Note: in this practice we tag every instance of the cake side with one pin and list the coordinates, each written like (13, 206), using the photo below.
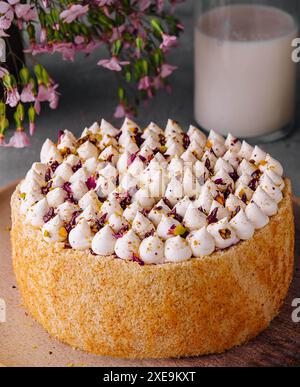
(117, 308)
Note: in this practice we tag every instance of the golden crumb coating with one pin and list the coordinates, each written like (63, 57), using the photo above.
(112, 307)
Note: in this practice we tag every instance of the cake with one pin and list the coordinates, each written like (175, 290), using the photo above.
(153, 243)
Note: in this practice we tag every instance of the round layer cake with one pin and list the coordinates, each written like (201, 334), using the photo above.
(153, 243)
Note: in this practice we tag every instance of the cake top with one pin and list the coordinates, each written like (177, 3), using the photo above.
(150, 196)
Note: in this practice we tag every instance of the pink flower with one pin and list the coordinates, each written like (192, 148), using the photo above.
(144, 83)
(112, 64)
(3, 72)
(27, 94)
(120, 111)
(47, 94)
(75, 11)
(31, 128)
(144, 4)
(43, 35)
(25, 12)
(168, 41)
(36, 49)
(12, 97)
(91, 46)
(66, 49)
(79, 39)
(37, 106)
(6, 20)
(167, 70)
(19, 140)
(4, 7)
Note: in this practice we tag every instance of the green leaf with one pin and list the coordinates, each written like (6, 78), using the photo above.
(31, 114)
(24, 75)
(157, 26)
(117, 47)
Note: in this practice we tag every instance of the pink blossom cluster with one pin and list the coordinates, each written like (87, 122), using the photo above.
(138, 35)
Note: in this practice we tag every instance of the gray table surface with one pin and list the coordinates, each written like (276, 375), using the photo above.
(87, 94)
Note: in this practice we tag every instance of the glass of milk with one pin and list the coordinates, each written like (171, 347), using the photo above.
(245, 78)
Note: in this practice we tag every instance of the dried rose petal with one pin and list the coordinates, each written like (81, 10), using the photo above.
(47, 188)
(50, 214)
(173, 214)
(54, 166)
(207, 164)
(137, 259)
(186, 141)
(253, 184)
(67, 187)
(131, 159)
(121, 232)
(145, 212)
(212, 217)
(77, 166)
(256, 174)
(72, 222)
(91, 183)
(219, 182)
(150, 233)
(48, 174)
(110, 157)
(244, 198)
(167, 202)
(234, 176)
(138, 139)
(162, 139)
(225, 233)
(59, 136)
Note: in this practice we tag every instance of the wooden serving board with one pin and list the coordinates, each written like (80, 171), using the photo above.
(23, 342)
